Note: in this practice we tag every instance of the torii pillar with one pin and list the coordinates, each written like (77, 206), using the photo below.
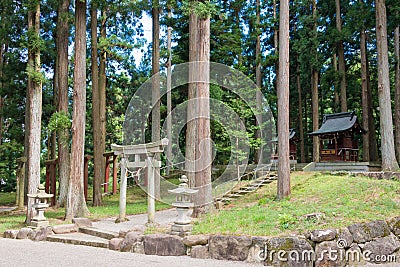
(148, 150)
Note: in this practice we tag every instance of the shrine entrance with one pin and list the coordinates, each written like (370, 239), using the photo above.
(139, 157)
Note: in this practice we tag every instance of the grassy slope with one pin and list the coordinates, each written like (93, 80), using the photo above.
(342, 199)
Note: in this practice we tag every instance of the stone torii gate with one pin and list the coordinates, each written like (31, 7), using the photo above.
(147, 151)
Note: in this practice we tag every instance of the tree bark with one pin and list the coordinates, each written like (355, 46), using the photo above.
(62, 73)
(258, 153)
(373, 144)
(364, 94)
(155, 113)
(191, 126)
(300, 103)
(76, 204)
(283, 102)
(34, 113)
(314, 94)
(389, 162)
(98, 157)
(203, 199)
(336, 84)
(169, 95)
(397, 91)
(342, 64)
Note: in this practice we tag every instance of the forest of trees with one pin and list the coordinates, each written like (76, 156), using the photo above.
(68, 71)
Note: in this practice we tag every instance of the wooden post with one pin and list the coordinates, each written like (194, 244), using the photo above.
(20, 182)
(53, 181)
(86, 176)
(122, 192)
(151, 208)
(115, 157)
(107, 174)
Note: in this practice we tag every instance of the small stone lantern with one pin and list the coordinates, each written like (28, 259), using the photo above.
(40, 206)
(183, 205)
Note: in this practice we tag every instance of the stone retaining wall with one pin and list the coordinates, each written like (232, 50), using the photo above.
(375, 242)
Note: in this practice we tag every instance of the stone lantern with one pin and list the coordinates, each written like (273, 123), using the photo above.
(183, 204)
(40, 206)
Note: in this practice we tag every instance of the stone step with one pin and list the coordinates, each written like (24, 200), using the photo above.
(93, 231)
(79, 239)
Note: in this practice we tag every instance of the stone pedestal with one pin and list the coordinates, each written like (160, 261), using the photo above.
(182, 225)
(40, 206)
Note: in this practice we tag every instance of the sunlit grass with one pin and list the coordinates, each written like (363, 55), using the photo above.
(342, 200)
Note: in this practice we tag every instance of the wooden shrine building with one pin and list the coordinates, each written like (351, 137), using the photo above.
(337, 137)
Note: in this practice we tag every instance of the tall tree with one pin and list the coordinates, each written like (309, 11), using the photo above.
(389, 162)
(397, 91)
(191, 127)
(283, 102)
(155, 113)
(259, 154)
(203, 199)
(342, 65)
(34, 104)
(314, 90)
(364, 93)
(76, 204)
(300, 103)
(62, 79)
(98, 157)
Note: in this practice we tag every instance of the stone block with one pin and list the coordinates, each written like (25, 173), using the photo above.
(82, 222)
(289, 251)
(323, 235)
(130, 240)
(328, 253)
(345, 237)
(354, 256)
(24, 233)
(200, 252)
(164, 245)
(234, 248)
(257, 249)
(195, 240)
(10, 234)
(394, 225)
(135, 228)
(65, 228)
(364, 232)
(115, 243)
(381, 249)
(40, 234)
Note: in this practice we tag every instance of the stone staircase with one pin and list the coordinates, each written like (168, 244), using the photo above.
(83, 235)
(255, 184)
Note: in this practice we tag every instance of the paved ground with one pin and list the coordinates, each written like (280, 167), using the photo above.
(26, 253)
(163, 218)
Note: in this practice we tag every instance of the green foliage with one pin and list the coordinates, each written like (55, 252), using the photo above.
(37, 77)
(286, 220)
(203, 9)
(59, 121)
(32, 41)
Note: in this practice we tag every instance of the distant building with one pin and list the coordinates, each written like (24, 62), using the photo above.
(337, 137)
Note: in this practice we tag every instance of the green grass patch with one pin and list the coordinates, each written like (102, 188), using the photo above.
(343, 200)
